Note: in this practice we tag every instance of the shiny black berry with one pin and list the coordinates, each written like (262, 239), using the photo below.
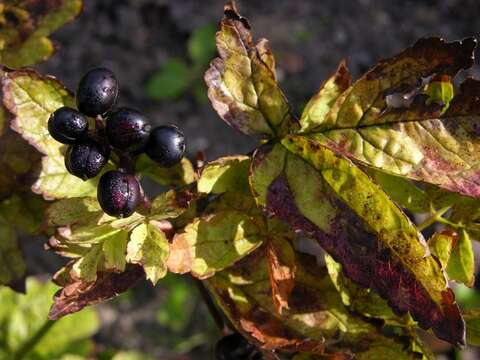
(128, 130)
(86, 160)
(118, 193)
(97, 92)
(67, 125)
(235, 347)
(166, 145)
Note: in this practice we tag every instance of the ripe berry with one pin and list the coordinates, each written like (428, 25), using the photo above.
(86, 160)
(67, 125)
(127, 129)
(118, 193)
(235, 347)
(97, 92)
(166, 145)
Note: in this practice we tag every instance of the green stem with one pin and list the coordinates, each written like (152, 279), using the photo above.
(28, 345)
(436, 217)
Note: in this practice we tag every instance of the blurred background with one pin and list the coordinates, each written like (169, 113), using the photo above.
(159, 50)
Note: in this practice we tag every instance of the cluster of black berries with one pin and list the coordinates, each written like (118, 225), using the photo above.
(125, 131)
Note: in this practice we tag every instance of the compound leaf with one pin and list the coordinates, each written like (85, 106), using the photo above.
(148, 247)
(326, 197)
(421, 139)
(241, 83)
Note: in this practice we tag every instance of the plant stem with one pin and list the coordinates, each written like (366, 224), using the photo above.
(30, 343)
(436, 217)
(217, 317)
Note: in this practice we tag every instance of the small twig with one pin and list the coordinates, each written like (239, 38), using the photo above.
(217, 317)
(30, 343)
(436, 217)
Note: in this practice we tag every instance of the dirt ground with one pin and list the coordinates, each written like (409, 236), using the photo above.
(309, 37)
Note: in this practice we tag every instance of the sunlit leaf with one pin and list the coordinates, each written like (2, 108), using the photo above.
(170, 204)
(241, 82)
(148, 247)
(440, 90)
(461, 264)
(225, 174)
(114, 249)
(31, 99)
(26, 25)
(329, 199)
(214, 242)
(417, 140)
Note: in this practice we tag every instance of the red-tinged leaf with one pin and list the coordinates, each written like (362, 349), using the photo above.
(79, 294)
(281, 268)
(329, 199)
(419, 138)
(241, 82)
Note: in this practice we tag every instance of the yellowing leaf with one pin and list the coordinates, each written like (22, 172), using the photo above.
(148, 247)
(114, 251)
(24, 27)
(325, 197)
(212, 243)
(31, 99)
(170, 204)
(241, 82)
(80, 210)
(85, 268)
(180, 174)
(461, 264)
(225, 174)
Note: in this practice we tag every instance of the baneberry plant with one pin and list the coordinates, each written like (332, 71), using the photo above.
(304, 245)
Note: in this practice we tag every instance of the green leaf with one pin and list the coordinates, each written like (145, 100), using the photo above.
(178, 175)
(225, 174)
(148, 246)
(31, 99)
(441, 245)
(114, 250)
(242, 84)
(25, 26)
(416, 140)
(461, 264)
(472, 319)
(131, 355)
(170, 82)
(201, 44)
(319, 105)
(12, 265)
(214, 242)
(325, 197)
(22, 316)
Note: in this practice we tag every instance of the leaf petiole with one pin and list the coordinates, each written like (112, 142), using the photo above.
(436, 217)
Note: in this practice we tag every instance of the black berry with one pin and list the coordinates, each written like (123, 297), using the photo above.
(97, 92)
(118, 193)
(86, 160)
(67, 125)
(235, 347)
(128, 130)
(166, 145)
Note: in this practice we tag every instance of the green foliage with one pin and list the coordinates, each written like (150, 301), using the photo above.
(176, 77)
(23, 317)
